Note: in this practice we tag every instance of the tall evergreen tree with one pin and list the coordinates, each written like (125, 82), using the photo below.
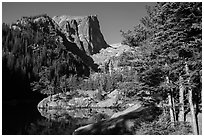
(175, 44)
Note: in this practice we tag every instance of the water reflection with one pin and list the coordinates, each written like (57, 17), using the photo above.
(66, 121)
(49, 127)
(63, 115)
(27, 120)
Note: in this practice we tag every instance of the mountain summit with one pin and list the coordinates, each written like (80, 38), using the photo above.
(84, 31)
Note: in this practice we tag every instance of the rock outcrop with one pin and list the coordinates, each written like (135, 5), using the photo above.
(111, 101)
(84, 31)
(114, 50)
(109, 57)
(62, 101)
(86, 99)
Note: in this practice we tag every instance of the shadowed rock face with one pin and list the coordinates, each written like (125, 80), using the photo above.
(84, 31)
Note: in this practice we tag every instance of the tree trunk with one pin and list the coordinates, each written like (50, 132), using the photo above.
(193, 118)
(171, 104)
(190, 100)
(171, 110)
(181, 100)
(173, 107)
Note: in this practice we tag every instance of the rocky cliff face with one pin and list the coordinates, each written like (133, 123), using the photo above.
(84, 31)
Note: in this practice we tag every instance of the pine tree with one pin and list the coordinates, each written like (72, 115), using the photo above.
(178, 40)
(174, 41)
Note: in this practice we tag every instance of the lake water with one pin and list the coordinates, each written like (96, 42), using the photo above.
(26, 119)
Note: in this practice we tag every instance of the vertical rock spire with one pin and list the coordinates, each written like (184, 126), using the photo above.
(84, 31)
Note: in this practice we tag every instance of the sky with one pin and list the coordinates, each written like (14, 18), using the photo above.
(112, 16)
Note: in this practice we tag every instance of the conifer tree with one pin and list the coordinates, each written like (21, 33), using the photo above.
(174, 45)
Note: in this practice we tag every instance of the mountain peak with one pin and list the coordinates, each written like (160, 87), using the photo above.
(84, 31)
(69, 17)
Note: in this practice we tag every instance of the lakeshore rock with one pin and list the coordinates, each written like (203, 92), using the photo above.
(54, 101)
(86, 99)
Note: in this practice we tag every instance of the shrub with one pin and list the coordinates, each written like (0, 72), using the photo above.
(162, 126)
(101, 81)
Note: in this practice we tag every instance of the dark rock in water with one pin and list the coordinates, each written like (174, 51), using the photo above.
(122, 124)
(84, 31)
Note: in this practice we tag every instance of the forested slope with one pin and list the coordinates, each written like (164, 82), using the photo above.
(36, 54)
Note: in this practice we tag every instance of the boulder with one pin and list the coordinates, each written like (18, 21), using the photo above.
(114, 94)
(111, 101)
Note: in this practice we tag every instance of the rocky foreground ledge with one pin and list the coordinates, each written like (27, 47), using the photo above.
(85, 99)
